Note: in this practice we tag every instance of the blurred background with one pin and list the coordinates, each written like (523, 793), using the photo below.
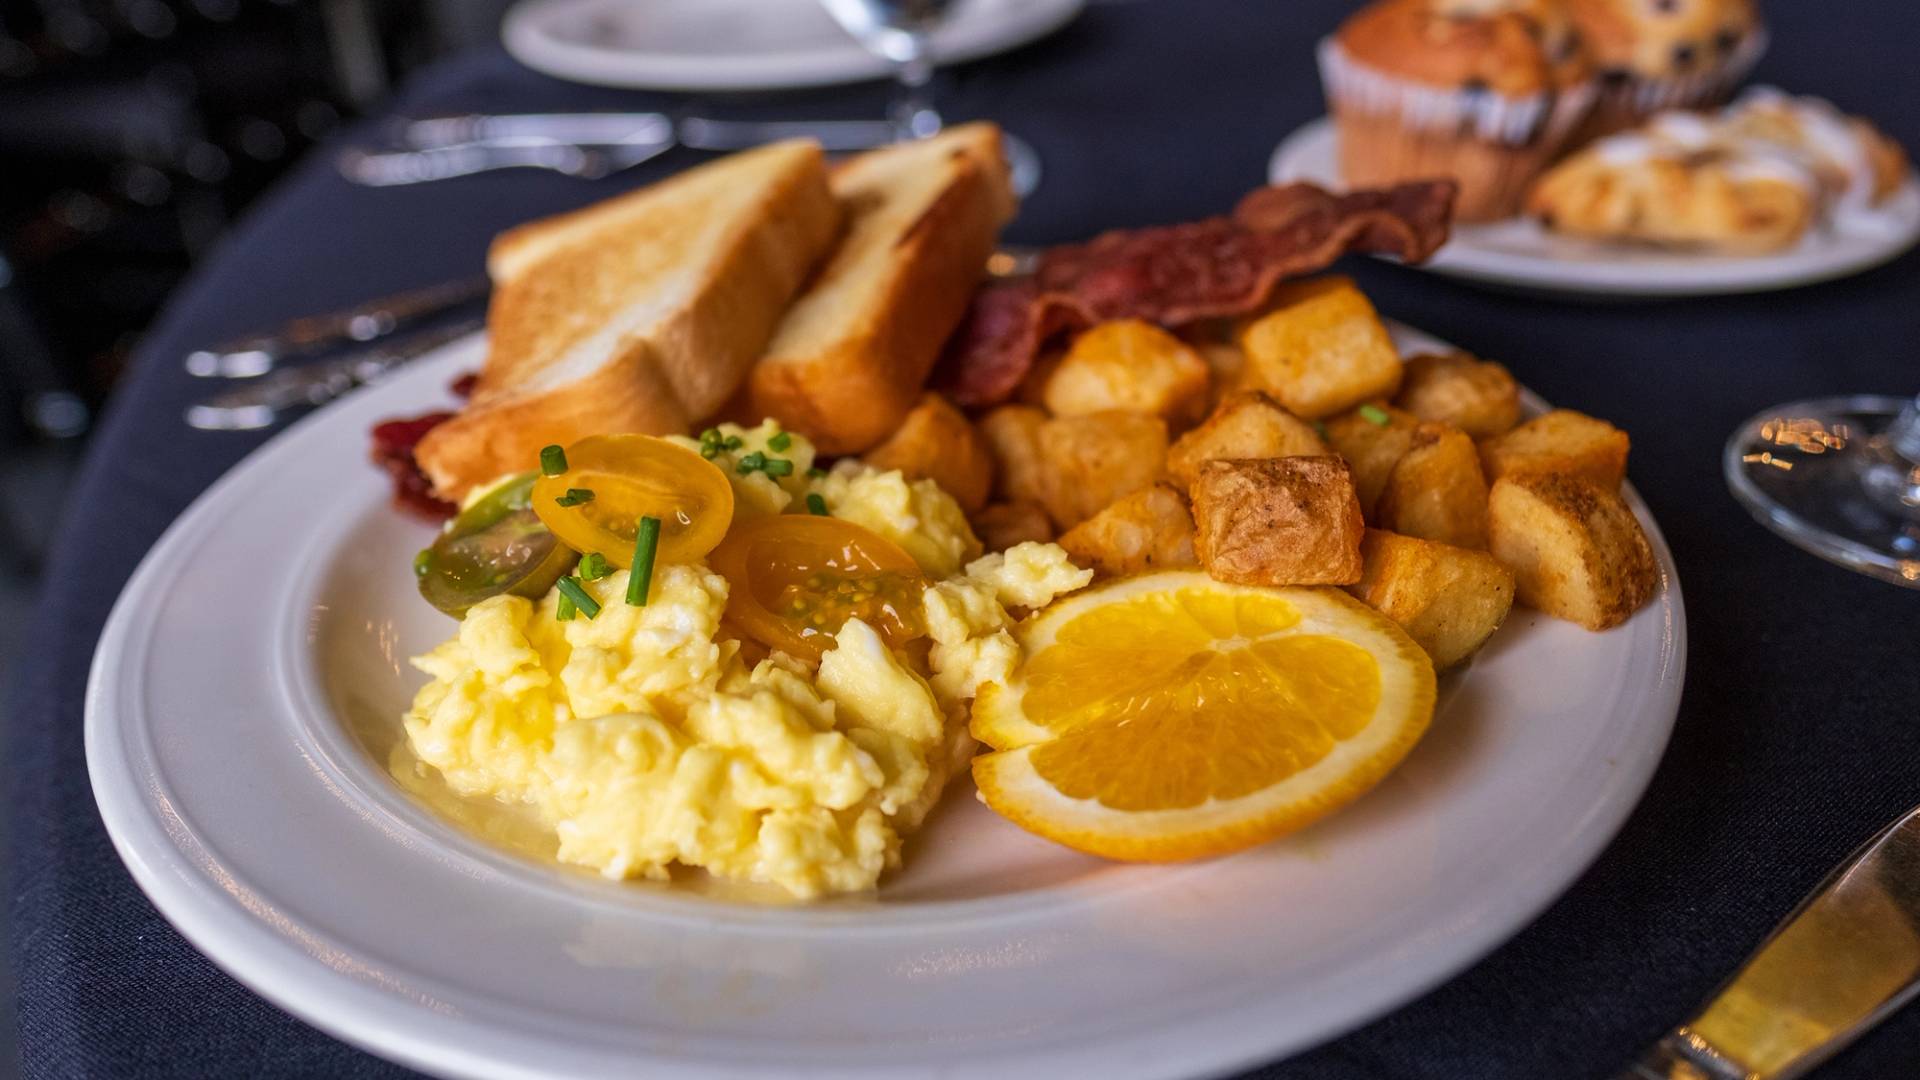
(132, 134)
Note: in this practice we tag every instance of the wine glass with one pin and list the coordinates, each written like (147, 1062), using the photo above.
(1839, 477)
(900, 32)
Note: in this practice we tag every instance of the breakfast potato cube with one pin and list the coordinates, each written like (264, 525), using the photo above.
(1449, 600)
(1091, 461)
(1477, 396)
(935, 442)
(1248, 424)
(1012, 435)
(1373, 438)
(1436, 491)
(1562, 441)
(1278, 521)
(1320, 348)
(1132, 365)
(1575, 549)
(1151, 529)
(1004, 525)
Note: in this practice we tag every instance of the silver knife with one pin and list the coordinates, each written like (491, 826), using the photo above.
(257, 354)
(1845, 959)
(605, 129)
(260, 403)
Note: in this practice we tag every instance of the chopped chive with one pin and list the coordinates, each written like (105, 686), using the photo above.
(594, 566)
(574, 497)
(422, 562)
(709, 450)
(553, 460)
(817, 473)
(564, 611)
(645, 545)
(731, 442)
(750, 463)
(711, 435)
(780, 441)
(1374, 414)
(816, 505)
(571, 589)
(777, 467)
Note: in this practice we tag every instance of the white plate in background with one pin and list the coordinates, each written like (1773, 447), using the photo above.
(247, 691)
(743, 44)
(1520, 254)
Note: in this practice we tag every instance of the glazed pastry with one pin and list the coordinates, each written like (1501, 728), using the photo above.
(1484, 91)
(1656, 55)
(1752, 178)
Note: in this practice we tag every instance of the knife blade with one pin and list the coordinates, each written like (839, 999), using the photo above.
(1846, 958)
(264, 401)
(257, 354)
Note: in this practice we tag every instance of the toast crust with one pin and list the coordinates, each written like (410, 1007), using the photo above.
(851, 358)
(642, 314)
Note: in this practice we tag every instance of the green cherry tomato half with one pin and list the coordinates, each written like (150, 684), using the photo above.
(496, 546)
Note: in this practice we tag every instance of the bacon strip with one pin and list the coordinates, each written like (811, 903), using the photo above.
(1178, 274)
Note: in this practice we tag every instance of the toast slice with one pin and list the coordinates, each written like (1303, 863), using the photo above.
(854, 351)
(643, 313)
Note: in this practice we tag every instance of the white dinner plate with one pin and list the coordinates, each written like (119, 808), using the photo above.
(743, 44)
(1521, 254)
(246, 695)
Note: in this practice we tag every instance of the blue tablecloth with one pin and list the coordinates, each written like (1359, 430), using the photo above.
(1797, 737)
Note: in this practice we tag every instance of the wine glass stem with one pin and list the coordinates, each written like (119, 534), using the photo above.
(913, 111)
(1903, 436)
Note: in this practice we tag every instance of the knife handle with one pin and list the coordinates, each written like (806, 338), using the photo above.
(1844, 960)
(256, 355)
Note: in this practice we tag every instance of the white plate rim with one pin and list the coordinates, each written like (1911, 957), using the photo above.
(965, 38)
(230, 927)
(1647, 275)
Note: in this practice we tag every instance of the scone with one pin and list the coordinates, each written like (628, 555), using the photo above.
(1484, 91)
(1666, 186)
(1751, 178)
(1655, 55)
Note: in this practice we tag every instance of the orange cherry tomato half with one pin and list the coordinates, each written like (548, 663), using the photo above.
(631, 477)
(795, 579)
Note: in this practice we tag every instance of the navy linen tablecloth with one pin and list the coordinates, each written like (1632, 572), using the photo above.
(1799, 733)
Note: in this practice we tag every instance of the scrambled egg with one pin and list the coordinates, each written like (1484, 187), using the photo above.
(645, 739)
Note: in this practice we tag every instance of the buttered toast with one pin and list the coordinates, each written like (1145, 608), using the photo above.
(851, 356)
(643, 313)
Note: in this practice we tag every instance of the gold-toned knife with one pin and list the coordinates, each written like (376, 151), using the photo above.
(1847, 957)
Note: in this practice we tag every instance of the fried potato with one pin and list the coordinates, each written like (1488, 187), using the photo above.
(1449, 600)
(1132, 365)
(1248, 424)
(1477, 396)
(1091, 461)
(1012, 435)
(1320, 348)
(1562, 441)
(1278, 521)
(935, 442)
(1575, 549)
(1006, 524)
(1373, 439)
(1436, 490)
(1151, 529)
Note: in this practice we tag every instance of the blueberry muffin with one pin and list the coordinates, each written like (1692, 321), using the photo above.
(1655, 55)
(1484, 91)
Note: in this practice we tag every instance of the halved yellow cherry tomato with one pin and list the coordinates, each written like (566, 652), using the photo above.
(797, 578)
(631, 477)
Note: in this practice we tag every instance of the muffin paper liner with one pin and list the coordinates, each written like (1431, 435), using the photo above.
(1511, 121)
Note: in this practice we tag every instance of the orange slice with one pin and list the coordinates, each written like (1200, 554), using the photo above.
(1172, 716)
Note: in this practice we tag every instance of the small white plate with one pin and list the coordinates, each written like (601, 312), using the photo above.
(246, 695)
(743, 44)
(1521, 254)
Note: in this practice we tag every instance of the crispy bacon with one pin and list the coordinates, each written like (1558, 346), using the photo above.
(1178, 274)
(393, 445)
